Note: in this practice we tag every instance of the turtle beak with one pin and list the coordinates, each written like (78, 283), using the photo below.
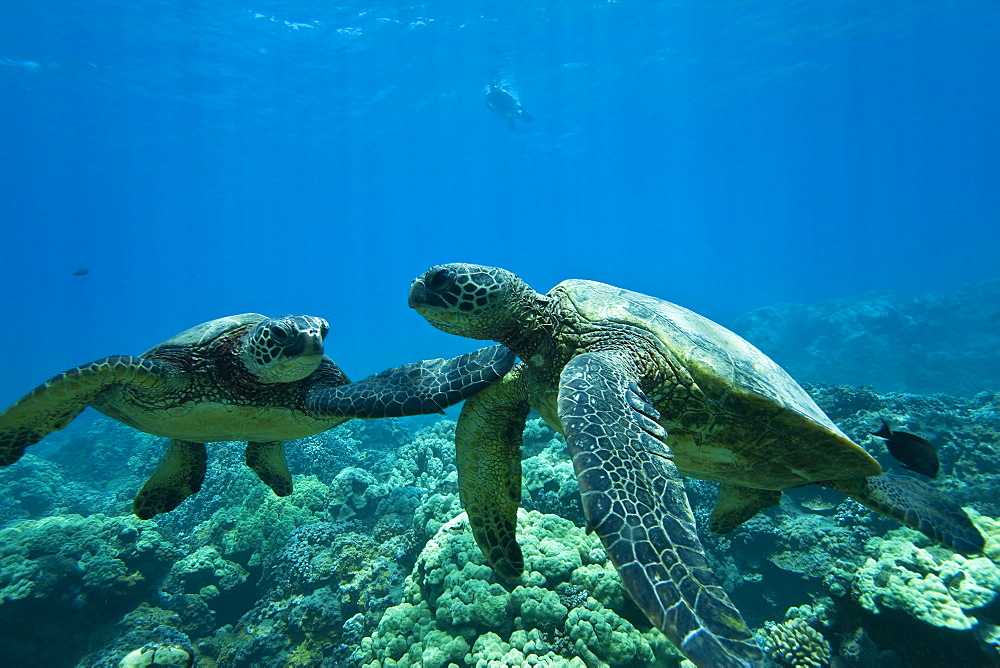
(418, 293)
(308, 343)
(422, 296)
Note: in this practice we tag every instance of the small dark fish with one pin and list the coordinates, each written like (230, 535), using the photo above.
(913, 452)
(82, 271)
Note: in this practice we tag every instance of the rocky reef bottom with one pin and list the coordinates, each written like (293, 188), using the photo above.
(370, 561)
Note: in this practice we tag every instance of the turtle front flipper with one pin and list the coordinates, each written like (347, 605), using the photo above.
(418, 388)
(179, 474)
(53, 405)
(267, 460)
(633, 497)
(917, 505)
(488, 455)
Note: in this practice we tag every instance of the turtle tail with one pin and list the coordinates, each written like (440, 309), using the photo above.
(917, 505)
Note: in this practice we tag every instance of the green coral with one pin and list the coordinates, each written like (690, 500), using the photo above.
(257, 528)
(813, 544)
(932, 584)
(106, 553)
(568, 608)
(203, 568)
(795, 644)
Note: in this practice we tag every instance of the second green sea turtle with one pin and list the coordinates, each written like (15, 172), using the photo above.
(647, 392)
(239, 378)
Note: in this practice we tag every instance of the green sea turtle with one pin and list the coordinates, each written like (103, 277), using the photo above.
(645, 392)
(240, 378)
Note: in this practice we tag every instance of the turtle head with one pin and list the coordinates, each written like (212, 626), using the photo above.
(285, 349)
(469, 299)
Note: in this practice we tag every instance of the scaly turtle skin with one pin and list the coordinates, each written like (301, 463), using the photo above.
(240, 378)
(645, 392)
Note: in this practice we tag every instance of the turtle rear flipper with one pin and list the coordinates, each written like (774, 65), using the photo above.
(267, 460)
(413, 389)
(633, 496)
(53, 405)
(917, 505)
(488, 441)
(736, 504)
(179, 474)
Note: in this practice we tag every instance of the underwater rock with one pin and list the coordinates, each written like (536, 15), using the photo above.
(256, 525)
(158, 655)
(33, 491)
(963, 430)
(204, 568)
(568, 608)
(338, 555)
(145, 626)
(549, 483)
(426, 460)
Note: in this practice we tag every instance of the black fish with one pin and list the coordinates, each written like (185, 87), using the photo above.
(82, 271)
(913, 452)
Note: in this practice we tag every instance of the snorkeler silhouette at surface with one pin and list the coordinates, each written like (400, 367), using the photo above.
(506, 105)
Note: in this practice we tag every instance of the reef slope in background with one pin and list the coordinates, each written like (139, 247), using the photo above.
(941, 342)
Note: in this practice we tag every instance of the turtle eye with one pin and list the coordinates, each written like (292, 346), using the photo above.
(278, 334)
(440, 279)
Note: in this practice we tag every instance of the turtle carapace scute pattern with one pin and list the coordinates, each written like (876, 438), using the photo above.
(647, 392)
(240, 378)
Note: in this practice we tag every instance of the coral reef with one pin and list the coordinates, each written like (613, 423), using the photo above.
(933, 585)
(795, 644)
(568, 608)
(369, 562)
(81, 572)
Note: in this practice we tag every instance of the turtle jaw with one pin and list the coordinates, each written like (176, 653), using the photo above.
(293, 369)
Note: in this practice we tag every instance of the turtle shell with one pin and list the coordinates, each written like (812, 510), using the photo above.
(738, 417)
(202, 334)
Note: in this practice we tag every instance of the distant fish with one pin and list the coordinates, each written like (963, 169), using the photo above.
(913, 452)
(82, 271)
(506, 105)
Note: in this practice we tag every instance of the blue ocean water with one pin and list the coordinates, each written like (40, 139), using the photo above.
(202, 159)
(163, 164)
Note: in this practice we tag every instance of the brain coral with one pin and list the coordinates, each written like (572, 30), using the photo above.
(567, 609)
